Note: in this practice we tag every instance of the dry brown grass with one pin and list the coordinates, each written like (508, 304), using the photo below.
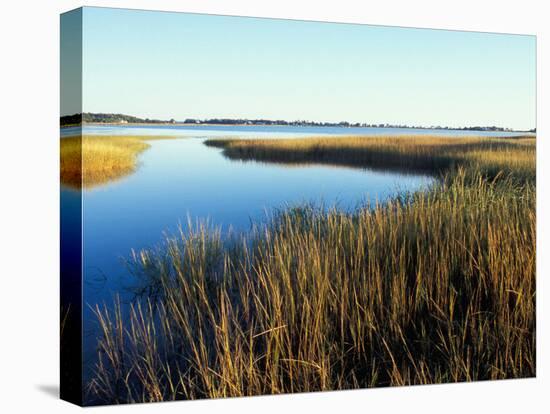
(433, 287)
(89, 161)
(406, 154)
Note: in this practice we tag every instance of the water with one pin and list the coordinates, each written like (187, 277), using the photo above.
(179, 179)
(274, 131)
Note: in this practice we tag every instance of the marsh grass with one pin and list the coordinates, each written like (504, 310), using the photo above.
(89, 161)
(432, 287)
(405, 154)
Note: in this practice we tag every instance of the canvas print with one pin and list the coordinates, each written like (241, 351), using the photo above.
(257, 206)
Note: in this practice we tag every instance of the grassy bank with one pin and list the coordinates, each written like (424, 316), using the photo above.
(406, 154)
(89, 161)
(434, 287)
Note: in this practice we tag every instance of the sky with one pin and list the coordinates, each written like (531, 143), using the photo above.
(174, 65)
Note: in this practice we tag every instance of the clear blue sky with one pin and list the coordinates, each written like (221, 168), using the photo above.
(174, 65)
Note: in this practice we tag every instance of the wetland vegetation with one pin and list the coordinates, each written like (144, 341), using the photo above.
(405, 154)
(88, 161)
(430, 287)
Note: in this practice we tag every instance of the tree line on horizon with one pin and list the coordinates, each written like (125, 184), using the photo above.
(110, 118)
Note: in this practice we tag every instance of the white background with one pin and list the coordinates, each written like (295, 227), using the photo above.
(29, 265)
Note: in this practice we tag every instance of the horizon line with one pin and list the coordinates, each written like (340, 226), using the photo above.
(363, 124)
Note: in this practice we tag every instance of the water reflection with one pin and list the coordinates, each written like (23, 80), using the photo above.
(180, 178)
(91, 161)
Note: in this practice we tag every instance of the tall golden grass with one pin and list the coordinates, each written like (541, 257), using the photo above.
(406, 154)
(89, 161)
(432, 287)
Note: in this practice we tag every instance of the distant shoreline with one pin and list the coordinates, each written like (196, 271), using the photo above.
(112, 119)
(283, 125)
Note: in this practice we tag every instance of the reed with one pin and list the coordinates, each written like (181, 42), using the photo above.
(405, 154)
(432, 287)
(89, 161)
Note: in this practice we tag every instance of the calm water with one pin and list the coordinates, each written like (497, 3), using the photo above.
(182, 178)
(267, 131)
